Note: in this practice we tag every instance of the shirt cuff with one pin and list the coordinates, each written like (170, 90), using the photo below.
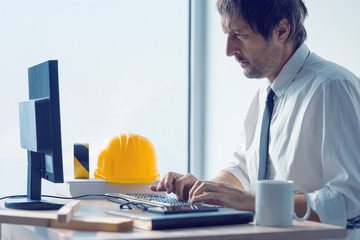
(239, 174)
(329, 205)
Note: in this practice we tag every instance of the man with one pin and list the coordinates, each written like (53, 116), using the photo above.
(315, 118)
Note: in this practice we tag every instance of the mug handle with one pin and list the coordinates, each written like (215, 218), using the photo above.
(306, 216)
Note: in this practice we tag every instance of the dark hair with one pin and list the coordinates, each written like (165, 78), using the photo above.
(263, 15)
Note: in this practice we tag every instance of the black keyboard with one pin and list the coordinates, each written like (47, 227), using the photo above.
(149, 199)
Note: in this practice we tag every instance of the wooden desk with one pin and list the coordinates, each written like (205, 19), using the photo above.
(300, 230)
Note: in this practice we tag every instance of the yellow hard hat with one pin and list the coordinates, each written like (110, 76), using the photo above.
(127, 158)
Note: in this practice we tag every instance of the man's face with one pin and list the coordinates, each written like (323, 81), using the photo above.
(259, 58)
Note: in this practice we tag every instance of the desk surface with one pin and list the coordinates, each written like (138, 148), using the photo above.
(300, 230)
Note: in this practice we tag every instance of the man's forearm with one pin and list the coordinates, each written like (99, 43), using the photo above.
(300, 199)
(227, 177)
(300, 208)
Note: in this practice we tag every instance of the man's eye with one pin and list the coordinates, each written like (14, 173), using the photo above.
(240, 36)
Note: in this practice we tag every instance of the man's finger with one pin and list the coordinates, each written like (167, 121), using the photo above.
(153, 187)
(194, 188)
(182, 183)
(206, 197)
(169, 183)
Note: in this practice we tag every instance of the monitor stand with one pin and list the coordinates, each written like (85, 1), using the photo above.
(33, 200)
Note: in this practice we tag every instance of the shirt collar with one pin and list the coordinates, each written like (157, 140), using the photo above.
(290, 70)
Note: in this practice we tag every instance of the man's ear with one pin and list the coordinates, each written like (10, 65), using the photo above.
(282, 30)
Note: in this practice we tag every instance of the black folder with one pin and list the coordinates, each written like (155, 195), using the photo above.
(156, 221)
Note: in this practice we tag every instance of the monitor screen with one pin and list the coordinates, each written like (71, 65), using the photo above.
(40, 135)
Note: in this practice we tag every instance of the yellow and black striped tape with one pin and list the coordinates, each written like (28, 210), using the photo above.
(81, 160)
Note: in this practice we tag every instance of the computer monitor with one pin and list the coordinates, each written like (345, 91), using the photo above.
(40, 134)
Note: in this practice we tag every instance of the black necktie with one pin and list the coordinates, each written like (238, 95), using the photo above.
(264, 137)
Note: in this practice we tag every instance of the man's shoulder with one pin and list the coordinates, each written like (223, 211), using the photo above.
(324, 70)
(318, 74)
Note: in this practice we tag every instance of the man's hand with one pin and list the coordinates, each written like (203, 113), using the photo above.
(179, 184)
(223, 193)
(225, 190)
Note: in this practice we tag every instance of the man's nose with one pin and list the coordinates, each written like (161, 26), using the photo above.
(231, 49)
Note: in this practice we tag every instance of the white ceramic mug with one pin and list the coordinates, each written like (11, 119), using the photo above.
(274, 203)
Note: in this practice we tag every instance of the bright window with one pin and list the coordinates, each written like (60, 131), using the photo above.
(123, 66)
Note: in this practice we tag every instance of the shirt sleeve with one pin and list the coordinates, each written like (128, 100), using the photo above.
(238, 168)
(329, 205)
(338, 124)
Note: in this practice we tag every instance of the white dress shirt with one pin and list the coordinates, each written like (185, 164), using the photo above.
(314, 136)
